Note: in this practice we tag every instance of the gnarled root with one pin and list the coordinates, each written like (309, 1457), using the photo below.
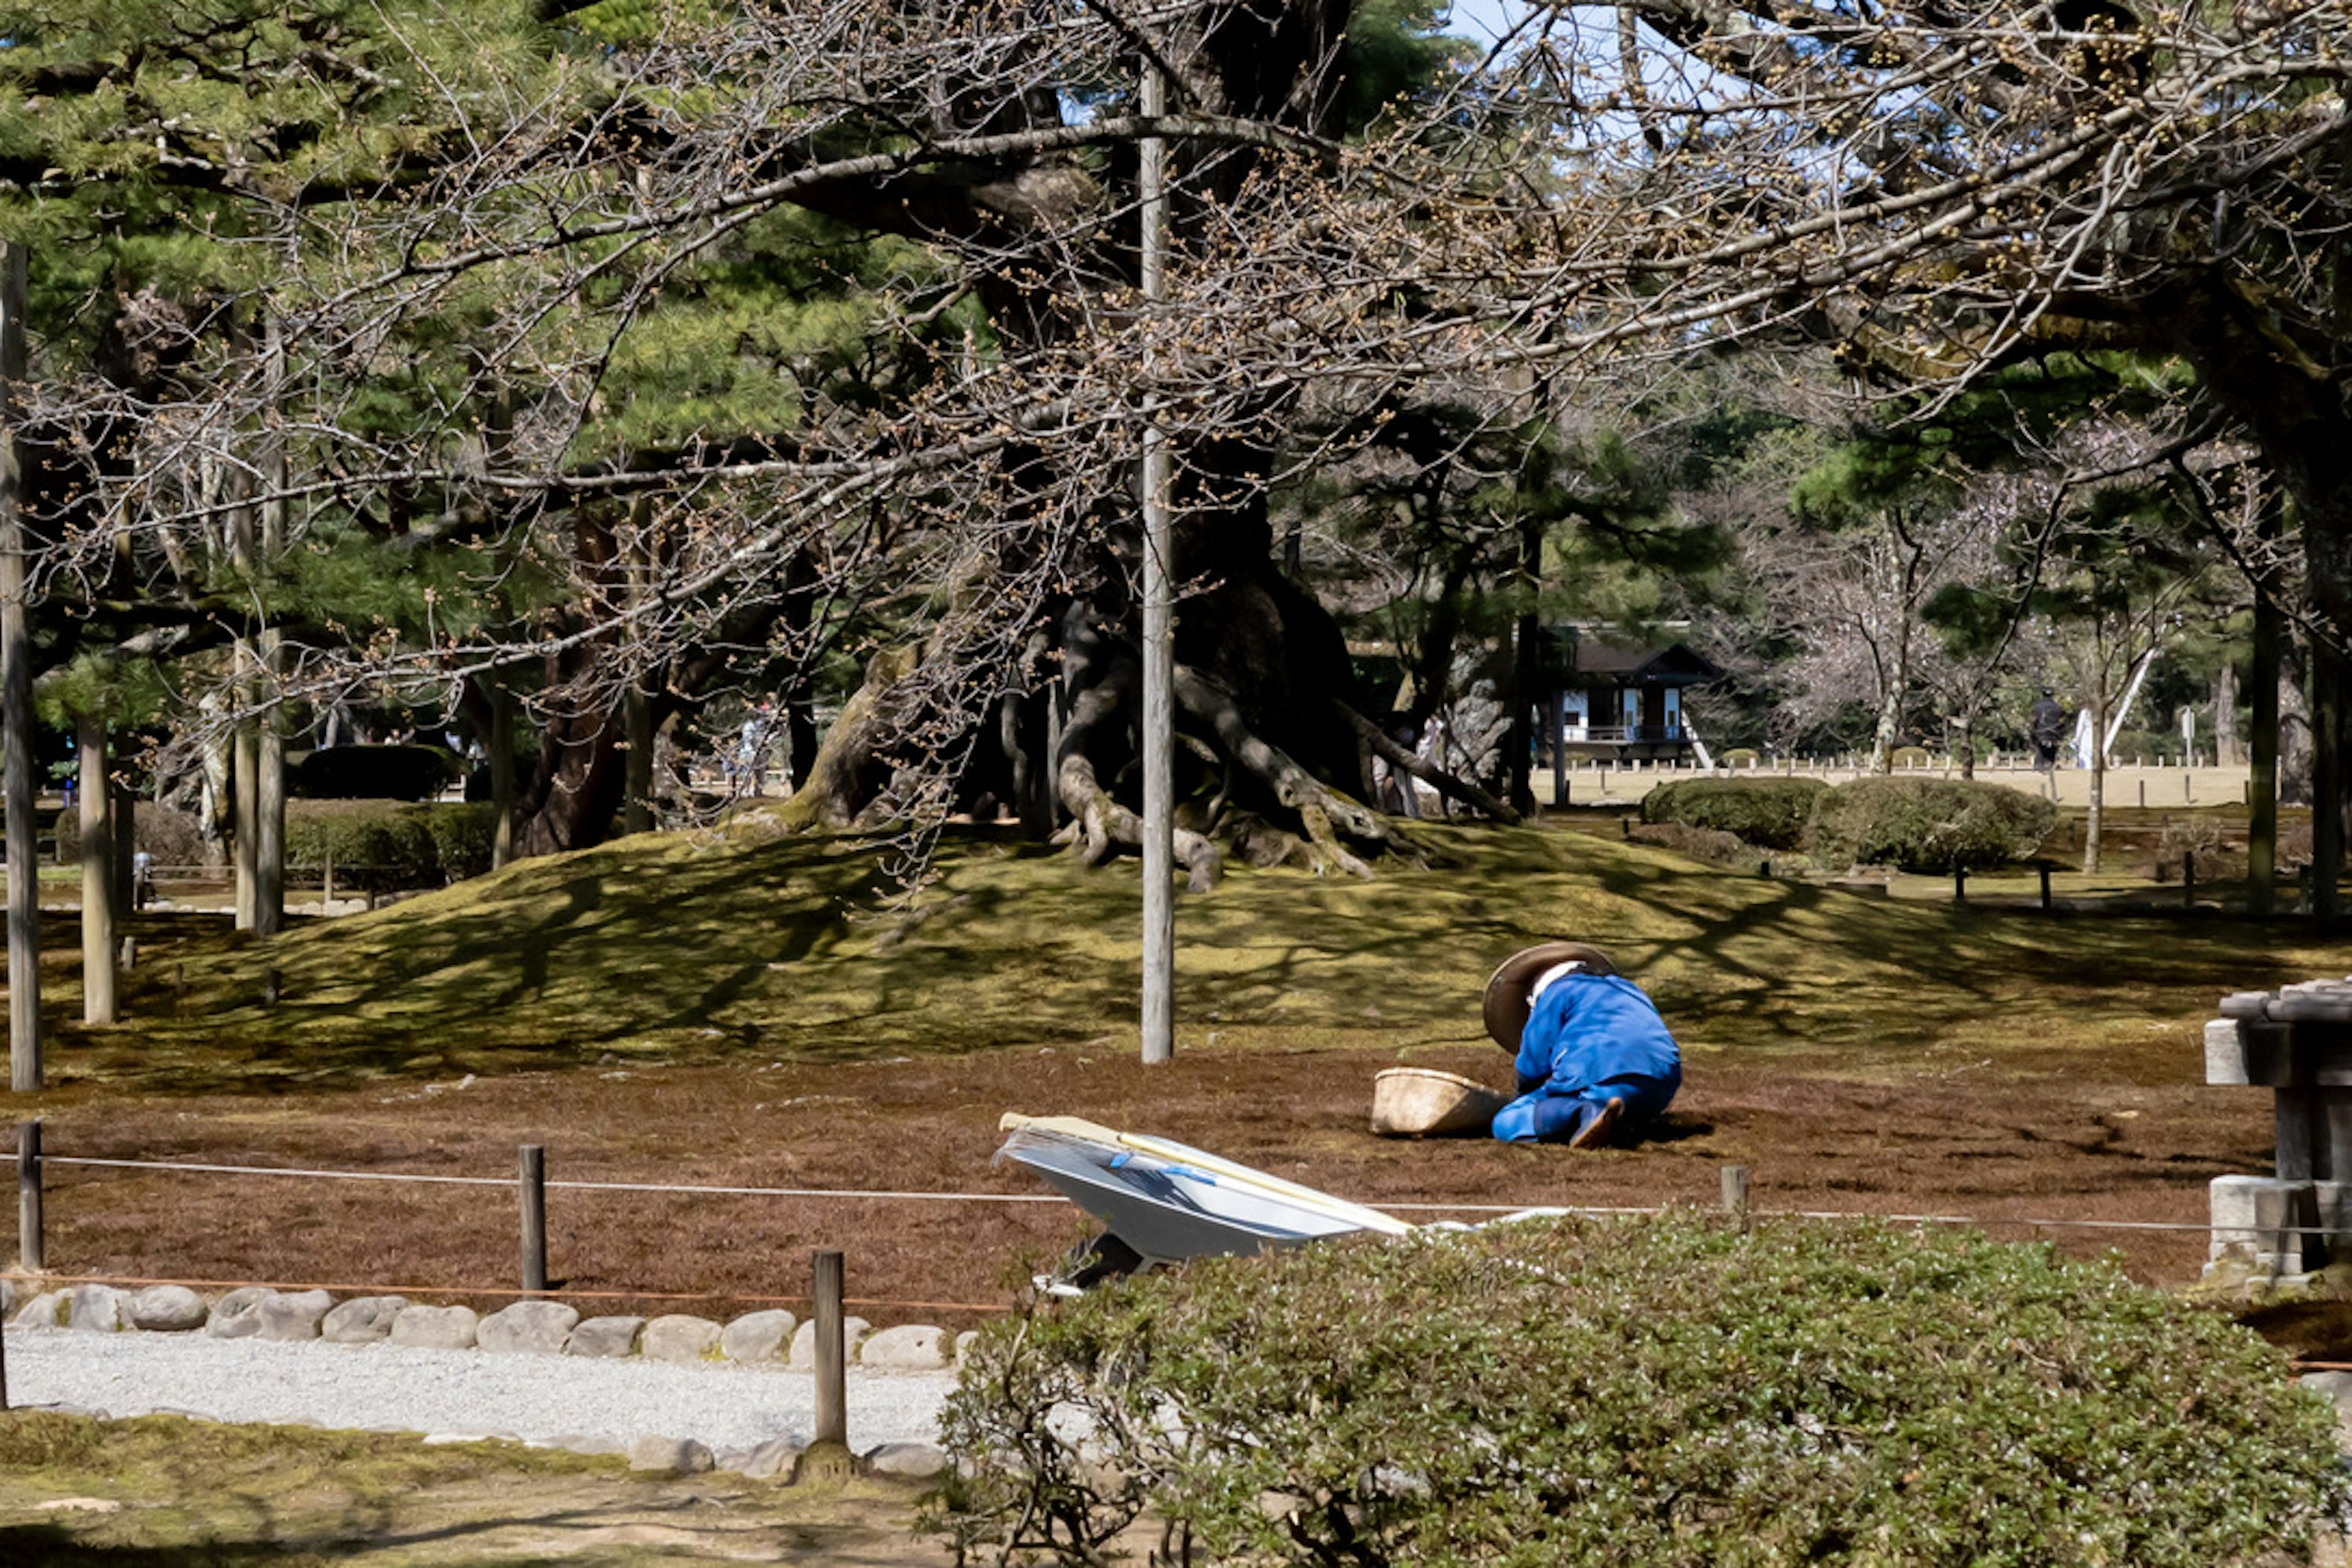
(1102, 822)
(1324, 812)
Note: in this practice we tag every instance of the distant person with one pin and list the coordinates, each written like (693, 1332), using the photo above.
(2046, 725)
(1596, 1064)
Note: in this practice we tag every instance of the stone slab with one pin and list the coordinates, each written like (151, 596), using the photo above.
(435, 1327)
(852, 1334)
(678, 1337)
(613, 1336)
(678, 1456)
(96, 1308)
(361, 1320)
(168, 1310)
(906, 1347)
(533, 1328)
(759, 1338)
(237, 1315)
(292, 1315)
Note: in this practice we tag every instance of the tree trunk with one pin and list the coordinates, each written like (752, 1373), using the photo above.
(2261, 815)
(16, 703)
(1527, 675)
(2099, 776)
(2227, 753)
(245, 829)
(637, 788)
(502, 775)
(97, 872)
(2327, 780)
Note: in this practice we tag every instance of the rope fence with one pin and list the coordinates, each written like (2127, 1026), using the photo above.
(531, 1184)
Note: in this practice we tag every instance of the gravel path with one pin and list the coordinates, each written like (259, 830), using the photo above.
(457, 1394)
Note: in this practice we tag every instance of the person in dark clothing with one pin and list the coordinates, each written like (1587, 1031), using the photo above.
(1595, 1061)
(2046, 725)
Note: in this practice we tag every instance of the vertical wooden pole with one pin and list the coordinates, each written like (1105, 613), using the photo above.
(832, 1378)
(30, 1250)
(531, 1186)
(97, 946)
(1735, 1193)
(1159, 1010)
(2045, 870)
(17, 702)
(2188, 879)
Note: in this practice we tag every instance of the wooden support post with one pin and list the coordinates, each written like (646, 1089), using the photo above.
(1959, 885)
(1735, 1193)
(2188, 879)
(832, 1384)
(2045, 870)
(531, 1189)
(30, 1250)
(2142, 794)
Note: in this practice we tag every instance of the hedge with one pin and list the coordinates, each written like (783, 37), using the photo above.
(172, 836)
(1660, 1391)
(381, 844)
(1927, 823)
(1770, 813)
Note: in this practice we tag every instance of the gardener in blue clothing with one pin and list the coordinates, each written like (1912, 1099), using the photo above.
(1595, 1062)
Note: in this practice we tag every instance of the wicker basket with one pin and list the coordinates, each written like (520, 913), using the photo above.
(1422, 1102)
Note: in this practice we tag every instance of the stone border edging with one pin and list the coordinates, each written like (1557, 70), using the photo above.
(769, 1338)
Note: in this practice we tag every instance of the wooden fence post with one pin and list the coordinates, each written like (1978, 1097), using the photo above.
(29, 1249)
(832, 1385)
(2045, 870)
(1735, 1193)
(531, 1184)
(2188, 879)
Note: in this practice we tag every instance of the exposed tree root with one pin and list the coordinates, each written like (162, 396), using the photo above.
(1101, 822)
(1324, 813)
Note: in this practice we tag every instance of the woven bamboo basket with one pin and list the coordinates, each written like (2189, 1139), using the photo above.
(1422, 1102)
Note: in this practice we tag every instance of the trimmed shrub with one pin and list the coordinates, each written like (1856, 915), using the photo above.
(1698, 843)
(1639, 1391)
(382, 844)
(173, 837)
(1769, 812)
(1926, 825)
(371, 772)
(1740, 757)
(1909, 757)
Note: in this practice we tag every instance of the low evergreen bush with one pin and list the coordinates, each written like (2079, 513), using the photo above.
(382, 845)
(1926, 823)
(1699, 843)
(172, 836)
(1655, 1391)
(1769, 812)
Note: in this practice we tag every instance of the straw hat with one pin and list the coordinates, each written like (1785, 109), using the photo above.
(1505, 1004)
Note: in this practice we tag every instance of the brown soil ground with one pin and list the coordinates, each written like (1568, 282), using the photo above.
(2033, 1144)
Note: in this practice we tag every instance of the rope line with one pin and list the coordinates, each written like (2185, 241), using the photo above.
(972, 1198)
(575, 1186)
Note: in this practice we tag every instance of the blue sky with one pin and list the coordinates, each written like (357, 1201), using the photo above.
(1484, 21)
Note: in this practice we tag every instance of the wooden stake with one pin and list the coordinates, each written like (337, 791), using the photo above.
(831, 1381)
(30, 1250)
(532, 1188)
